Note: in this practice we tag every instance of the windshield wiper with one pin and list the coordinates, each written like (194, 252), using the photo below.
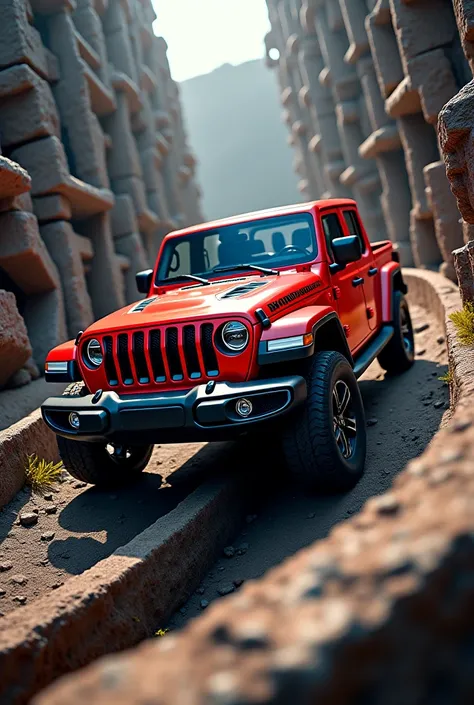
(201, 280)
(255, 267)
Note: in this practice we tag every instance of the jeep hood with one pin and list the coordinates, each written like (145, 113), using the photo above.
(239, 296)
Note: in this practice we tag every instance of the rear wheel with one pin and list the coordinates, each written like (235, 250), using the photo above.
(399, 355)
(325, 445)
(102, 464)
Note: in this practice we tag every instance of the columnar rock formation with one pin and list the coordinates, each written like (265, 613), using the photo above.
(363, 82)
(96, 167)
(456, 129)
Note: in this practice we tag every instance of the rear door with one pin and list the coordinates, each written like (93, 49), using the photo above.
(367, 266)
(348, 289)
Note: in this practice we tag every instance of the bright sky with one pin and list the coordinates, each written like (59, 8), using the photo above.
(204, 34)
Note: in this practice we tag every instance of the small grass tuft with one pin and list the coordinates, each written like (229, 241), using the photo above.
(161, 632)
(464, 323)
(447, 378)
(41, 475)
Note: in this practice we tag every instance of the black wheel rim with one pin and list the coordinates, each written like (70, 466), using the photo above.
(344, 419)
(407, 331)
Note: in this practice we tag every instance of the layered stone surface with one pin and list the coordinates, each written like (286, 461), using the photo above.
(96, 166)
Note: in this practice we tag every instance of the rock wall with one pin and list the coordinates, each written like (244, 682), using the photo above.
(456, 125)
(363, 82)
(95, 167)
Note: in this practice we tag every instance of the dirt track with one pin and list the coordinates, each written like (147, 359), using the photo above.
(408, 411)
(89, 525)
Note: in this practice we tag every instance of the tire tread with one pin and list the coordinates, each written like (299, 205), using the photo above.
(308, 443)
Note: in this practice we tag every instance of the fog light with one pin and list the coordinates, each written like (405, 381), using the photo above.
(74, 420)
(244, 407)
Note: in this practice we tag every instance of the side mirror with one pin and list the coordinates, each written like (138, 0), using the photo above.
(346, 249)
(143, 280)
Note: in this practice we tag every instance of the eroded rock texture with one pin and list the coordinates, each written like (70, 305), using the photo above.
(96, 168)
(363, 82)
(456, 125)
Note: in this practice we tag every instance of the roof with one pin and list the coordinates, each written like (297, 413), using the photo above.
(268, 213)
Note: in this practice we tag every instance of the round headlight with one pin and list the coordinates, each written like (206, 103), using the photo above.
(94, 354)
(235, 336)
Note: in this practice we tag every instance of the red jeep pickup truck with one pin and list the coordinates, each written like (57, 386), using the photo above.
(258, 322)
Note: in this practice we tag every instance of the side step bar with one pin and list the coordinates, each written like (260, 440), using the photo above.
(374, 349)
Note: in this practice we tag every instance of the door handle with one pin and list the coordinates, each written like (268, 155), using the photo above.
(373, 271)
(358, 281)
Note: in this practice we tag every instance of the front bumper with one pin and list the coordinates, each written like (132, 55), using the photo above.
(204, 413)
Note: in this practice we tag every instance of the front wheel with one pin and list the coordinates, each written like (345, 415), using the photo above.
(325, 444)
(106, 465)
(399, 355)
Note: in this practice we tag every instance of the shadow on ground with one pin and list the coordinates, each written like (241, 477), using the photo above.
(124, 513)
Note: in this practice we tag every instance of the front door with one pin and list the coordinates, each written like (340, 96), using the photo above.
(348, 285)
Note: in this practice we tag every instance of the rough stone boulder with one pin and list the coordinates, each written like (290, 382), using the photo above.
(15, 348)
(456, 139)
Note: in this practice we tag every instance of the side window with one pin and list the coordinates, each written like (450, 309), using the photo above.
(354, 228)
(332, 230)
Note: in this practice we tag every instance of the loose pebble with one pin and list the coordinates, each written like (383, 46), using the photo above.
(21, 599)
(19, 579)
(28, 518)
(226, 589)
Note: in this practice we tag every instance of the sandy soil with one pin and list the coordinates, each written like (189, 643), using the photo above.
(403, 414)
(79, 525)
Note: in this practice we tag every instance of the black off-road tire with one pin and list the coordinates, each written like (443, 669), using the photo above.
(399, 355)
(310, 443)
(92, 462)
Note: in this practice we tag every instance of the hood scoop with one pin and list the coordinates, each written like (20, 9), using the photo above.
(238, 291)
(141, 306)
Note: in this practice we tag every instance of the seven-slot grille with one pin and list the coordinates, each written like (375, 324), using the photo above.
(160, 355)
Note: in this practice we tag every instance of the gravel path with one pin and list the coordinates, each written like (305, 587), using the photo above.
(403, 414)
(75, 526)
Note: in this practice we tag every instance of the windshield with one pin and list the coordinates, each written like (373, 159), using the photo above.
(270, 243)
